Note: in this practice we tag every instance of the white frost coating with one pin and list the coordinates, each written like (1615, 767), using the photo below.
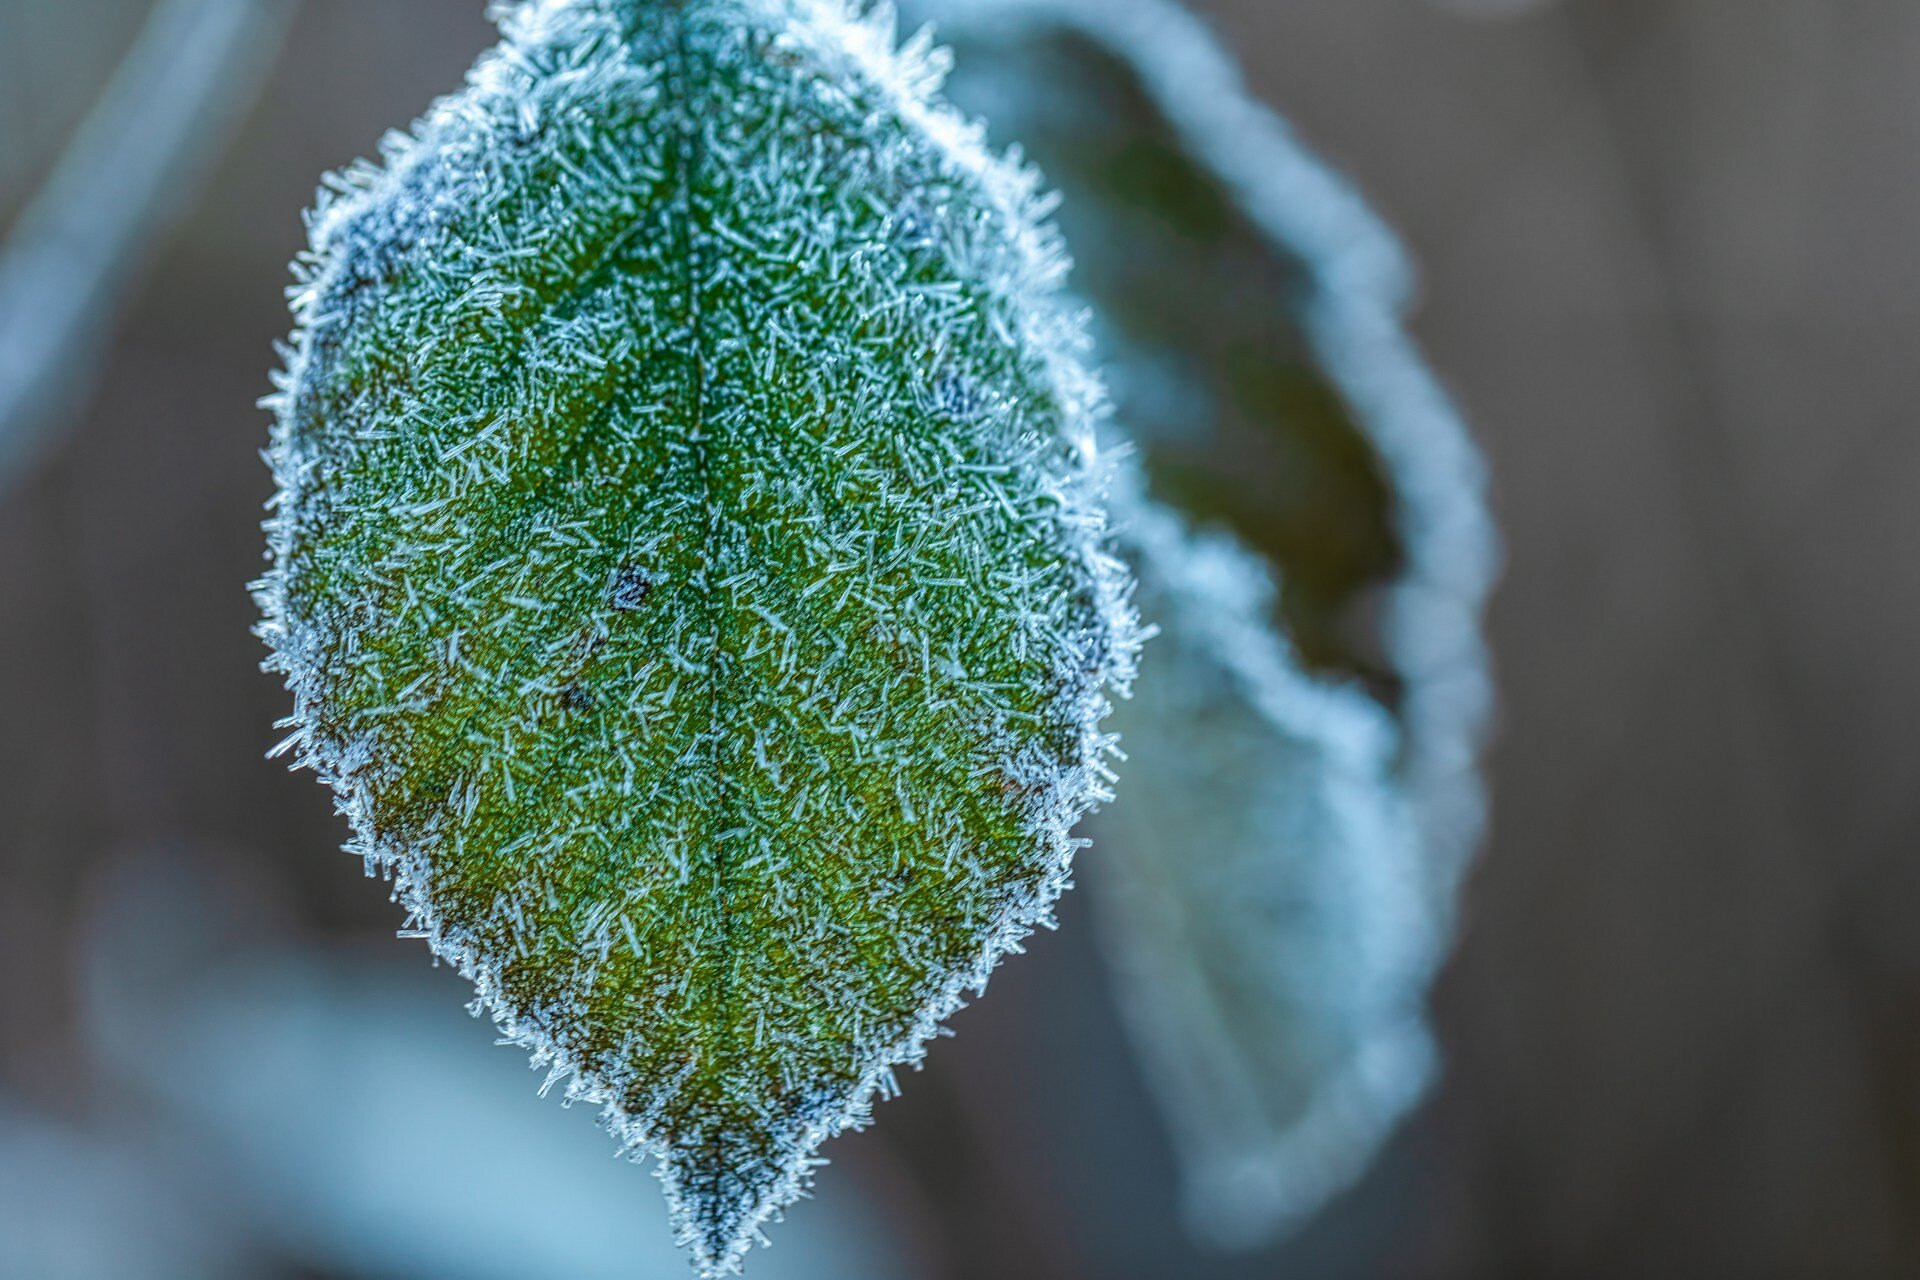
(356, 224)
(1406, 822)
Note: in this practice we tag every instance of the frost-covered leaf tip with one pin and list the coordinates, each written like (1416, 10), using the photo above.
(689, 563)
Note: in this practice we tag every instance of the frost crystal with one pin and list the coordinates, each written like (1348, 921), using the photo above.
(1278, 881)
(688, 564)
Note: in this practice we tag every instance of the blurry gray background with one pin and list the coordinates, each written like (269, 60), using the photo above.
(1671, 252)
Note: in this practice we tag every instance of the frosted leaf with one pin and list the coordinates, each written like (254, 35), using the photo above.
(1252, 307)
(689, 566)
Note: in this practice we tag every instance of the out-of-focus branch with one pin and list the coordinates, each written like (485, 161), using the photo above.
(128, 174)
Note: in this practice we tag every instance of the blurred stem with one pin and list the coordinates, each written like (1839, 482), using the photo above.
(127, 176)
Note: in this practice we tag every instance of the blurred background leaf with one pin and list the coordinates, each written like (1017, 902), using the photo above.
(1278, 872)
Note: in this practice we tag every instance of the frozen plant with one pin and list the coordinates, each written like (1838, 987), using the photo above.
(689, 564)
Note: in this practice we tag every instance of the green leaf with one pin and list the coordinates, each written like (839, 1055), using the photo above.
(689, 564)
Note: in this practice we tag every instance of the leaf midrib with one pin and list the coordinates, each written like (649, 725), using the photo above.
(690, 160)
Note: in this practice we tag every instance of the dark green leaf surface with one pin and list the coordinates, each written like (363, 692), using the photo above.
(688, 564)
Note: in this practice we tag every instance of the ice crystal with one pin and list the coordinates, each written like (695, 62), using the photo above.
(1279, 879)
(688, 563)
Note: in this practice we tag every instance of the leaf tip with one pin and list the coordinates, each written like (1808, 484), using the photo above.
(720, 1192)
